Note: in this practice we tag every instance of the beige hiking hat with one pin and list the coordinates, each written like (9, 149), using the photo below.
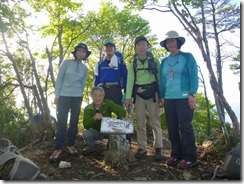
(172, 34)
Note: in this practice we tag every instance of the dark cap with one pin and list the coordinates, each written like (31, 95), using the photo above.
(109, 42)
(84, 46)
(139, 38)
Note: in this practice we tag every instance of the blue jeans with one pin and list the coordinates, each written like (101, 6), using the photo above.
(66, 105)
(179, 123)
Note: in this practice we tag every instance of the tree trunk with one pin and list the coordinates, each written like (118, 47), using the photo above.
(207, 103)
(22, 89)
(194, 31)
(39, 91)
(218, 93)
(50, 67)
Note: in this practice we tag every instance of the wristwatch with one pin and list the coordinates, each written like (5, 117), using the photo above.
(194, 95)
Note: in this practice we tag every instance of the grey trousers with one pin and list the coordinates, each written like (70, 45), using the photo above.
(141, 107)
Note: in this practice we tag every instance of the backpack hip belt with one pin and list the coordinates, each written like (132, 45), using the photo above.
(109, 84)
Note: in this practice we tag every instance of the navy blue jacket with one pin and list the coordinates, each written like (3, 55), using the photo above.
(107, 74)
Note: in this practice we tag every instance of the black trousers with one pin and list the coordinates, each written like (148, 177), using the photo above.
(179, 122)
(113, 93)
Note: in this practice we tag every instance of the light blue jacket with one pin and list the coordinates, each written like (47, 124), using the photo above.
(71, 79)
(178, 76)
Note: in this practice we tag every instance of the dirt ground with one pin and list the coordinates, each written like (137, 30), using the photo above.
(93, 167)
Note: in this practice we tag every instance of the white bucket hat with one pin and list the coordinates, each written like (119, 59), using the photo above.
(172, 34)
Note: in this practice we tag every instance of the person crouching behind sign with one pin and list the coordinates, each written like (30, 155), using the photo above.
(93, 114)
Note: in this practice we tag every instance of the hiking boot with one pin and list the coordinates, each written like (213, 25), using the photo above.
(56, 155)
(172, 161)
(140, 153)
(184, 164)
(158, 154)
(71, 150)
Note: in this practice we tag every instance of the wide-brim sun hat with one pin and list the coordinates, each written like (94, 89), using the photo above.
(84, 46)
(109, 42)
(172, 34)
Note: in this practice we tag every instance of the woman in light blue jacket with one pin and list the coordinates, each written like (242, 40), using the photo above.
(69, 87)
(178, 88)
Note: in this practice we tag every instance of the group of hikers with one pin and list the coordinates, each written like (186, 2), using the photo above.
(147, 83)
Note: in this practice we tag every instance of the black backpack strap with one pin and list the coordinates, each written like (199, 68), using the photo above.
(156, 77)
(120, 63)
(134, 62)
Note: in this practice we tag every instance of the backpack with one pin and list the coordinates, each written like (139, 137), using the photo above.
(13, 166)
(37, 118)
(232, 162)
(120, 56)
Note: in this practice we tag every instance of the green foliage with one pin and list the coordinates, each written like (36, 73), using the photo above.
(18, 132)
(236, 66)
(163, 120)
(220, 148)
(200, 121)
(56, 7)
(120, 26)
(12, 123)
(12, 18)
(136, 4)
